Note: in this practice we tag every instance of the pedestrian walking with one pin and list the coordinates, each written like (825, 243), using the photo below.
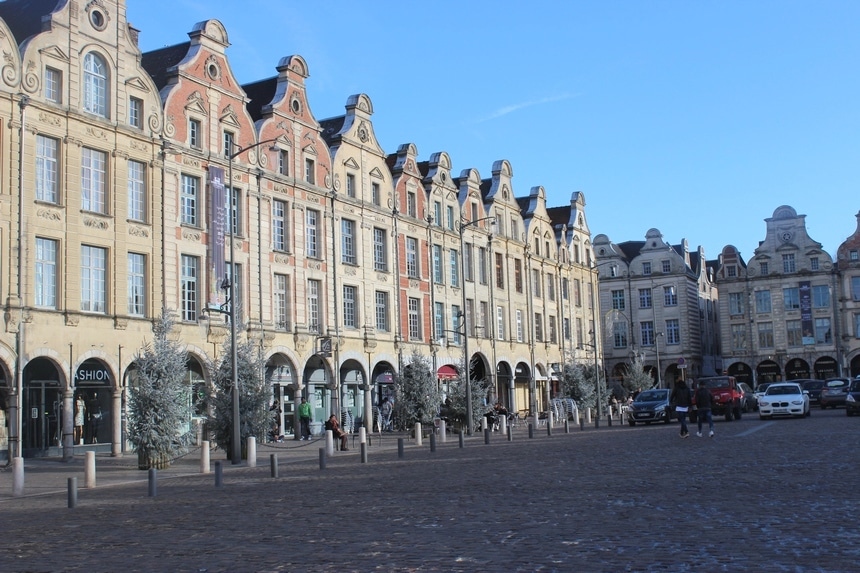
(681, 398)
(703, 410)
(305, 419)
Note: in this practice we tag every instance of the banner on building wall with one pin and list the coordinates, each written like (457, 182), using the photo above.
(216, 296)
(806, 325)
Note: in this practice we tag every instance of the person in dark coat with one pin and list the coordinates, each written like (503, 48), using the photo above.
(703, 409)
(682, 399)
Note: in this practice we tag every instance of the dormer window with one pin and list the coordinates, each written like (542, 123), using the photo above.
(95, 85)
(646, 268)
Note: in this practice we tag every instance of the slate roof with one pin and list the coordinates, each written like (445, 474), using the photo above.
(330, 128)
(157, 62)
(260, 94)
(24, 17)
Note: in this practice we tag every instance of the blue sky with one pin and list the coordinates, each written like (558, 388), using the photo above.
(697, 118)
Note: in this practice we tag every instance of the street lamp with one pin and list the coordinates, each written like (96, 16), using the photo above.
(230, 283)
(462, 229)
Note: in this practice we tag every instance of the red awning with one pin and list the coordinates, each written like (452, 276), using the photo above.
(447, 372)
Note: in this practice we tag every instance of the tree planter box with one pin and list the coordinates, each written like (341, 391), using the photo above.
(145, 462)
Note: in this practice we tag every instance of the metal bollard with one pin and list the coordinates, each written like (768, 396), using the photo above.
(362, 435)
(153, 481)
(567, 426)
(219, 474)
(419, 439)
(549, 425)
(73, 492)
(363, 453)
(531, 431)
(90, 470)
(323, 456)
(609, 419)
(486, 435)
(510, 434)
(432, 442)
(399, 447)
(443, 431)
(273, 464)
(204, 457)
(581, 424)
(17, 476)
(461, 439)
(252, 451)
(596, 422)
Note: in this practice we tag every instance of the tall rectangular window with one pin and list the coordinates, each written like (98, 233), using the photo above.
(579, 332)
(482, 265)
(500, 270)
(281, 302)
(788, 264)
(537, 290)
(483, 326)
(449, 217)
(619, 334)
(519, 325)
(646, 268)
(437, 213)
(229, 143)
(46, 273)
(763, 269)
(814, 265)
(823, 335)
(438, 276)
(47, 169)
(234, 196)
(350, 308)
(821, 296)
(855, 288)
(793, 333)
(375, 194)
(279, 225)
(189, 199)
(538, 327)
(500, 323)
(95, 86)
(350, 185)
(670, 296)
(736, 303)
(857, 325)
(618, 299)
(284, 162)
(310, 167)
(550, 286)
(190, 274)
(469, 263)
(411, 204)
(93, 273)
(412, 258)
(455, 324)
(646, 333)
(347, 241)
(93, 180)
(645, 298)
(553, 336)
(314, 309)
(439, 319)
(135, 112)
(739, 337)
(194, 132)
(312, 233)
(136, 284)
(53, 88)
(414, 314)
(380, 250)
(791, 298)
(765, 334)
(453, 263)
(136, 190)
(666, 266)
(577, 292)
(518, 275)
(673, 331)
(381, 311)
(762, 301)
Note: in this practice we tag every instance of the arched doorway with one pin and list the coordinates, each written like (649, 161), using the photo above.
(504, 384)
(768, 371)
(742, 372)
(352, 395)
(42, 409)
(796, 368)
(854, 367)
(522, 380)
(317, 381)
(826, 367)
(280, 375)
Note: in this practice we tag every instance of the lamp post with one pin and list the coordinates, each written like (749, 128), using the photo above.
(463, 227)
(230, 283)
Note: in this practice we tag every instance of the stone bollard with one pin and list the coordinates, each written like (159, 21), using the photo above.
(329, 443)
(219, 474)
(17, 476)
(443, 431)
(399, 447)
(362, 435)
(73, 492)
(273, 464)
(483, 423)
(460, 433)
(153, 482)
(323, 453)
(252, 451)
(503, 424)
(204, 457)
(588, 415)
(89, 470)
(419, 439)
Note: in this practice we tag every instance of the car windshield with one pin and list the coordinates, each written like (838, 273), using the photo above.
(761, 387)
(777, 390)
(651, 396)
(715, 383)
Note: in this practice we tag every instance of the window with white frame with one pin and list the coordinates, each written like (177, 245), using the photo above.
(312, 233)
(538, 325)
(519, 325)
(673, 331)
(515, 228)
(411, 204)
(310, 168)
(736, 303)
(855, 288)
(194, 133)
(666, 266)
(414, 318)
(46, 273)
(762, 301)
(284, 162)
(764, 269)
(823, 334)
(93, 273)
(350, 185)
(95, 85)
(381, 300)
(793, 333)
(482, 265)
(453, 263)
(820, 296)
(93, 180)
(53, 88)
(375, 194)
(731, 271)
(228, 143)
(437, 213)
(279, 225)
(412, 269)
(189, 199)
(468, 262)
(788, 264)
(619, 334)
(350, 308)
(281, 301)
(670, 296)
(646, 268)
(791, 298)
(500, 323)
(439, 319)
(618, 300)
(438, 275)
(451, 220)
(135, 112)
(47, 169)
(136, 284)
(739, 337)
(190, 274)
(314, 308)
(814, 264)
(234, 197)
(136, 190)
(347, 241)
(765, 334)
(380, 250)
(455, 324)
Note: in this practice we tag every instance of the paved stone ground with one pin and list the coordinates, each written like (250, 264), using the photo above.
(760, 496)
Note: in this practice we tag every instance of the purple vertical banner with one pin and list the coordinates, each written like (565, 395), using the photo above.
(217, 227)
(807, 328)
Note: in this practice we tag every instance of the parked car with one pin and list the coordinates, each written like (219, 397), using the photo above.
(784, 399)
(749, 403)
(650, 406)
(852, 399)
(834, 393)
(760, 390)
(725, 396)
(813, 387)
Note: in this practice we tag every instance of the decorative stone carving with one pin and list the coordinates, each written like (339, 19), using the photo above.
(136, 231)
(72, 319)
(190, 235)
(48, 214)
(120, 323)
(94, 223)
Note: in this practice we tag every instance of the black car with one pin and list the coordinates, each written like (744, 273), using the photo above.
(852, 399)
(749, 403)
(813, 388)
(834, 393)
(650, 406)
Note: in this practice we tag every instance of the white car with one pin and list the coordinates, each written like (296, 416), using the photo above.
(784, 399)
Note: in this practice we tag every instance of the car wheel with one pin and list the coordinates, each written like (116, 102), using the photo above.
(729, 415)
(631, 422)
(809, 412)
(737, 413)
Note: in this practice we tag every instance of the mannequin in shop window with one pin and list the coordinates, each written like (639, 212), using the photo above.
(95, 412)
(80, 412)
